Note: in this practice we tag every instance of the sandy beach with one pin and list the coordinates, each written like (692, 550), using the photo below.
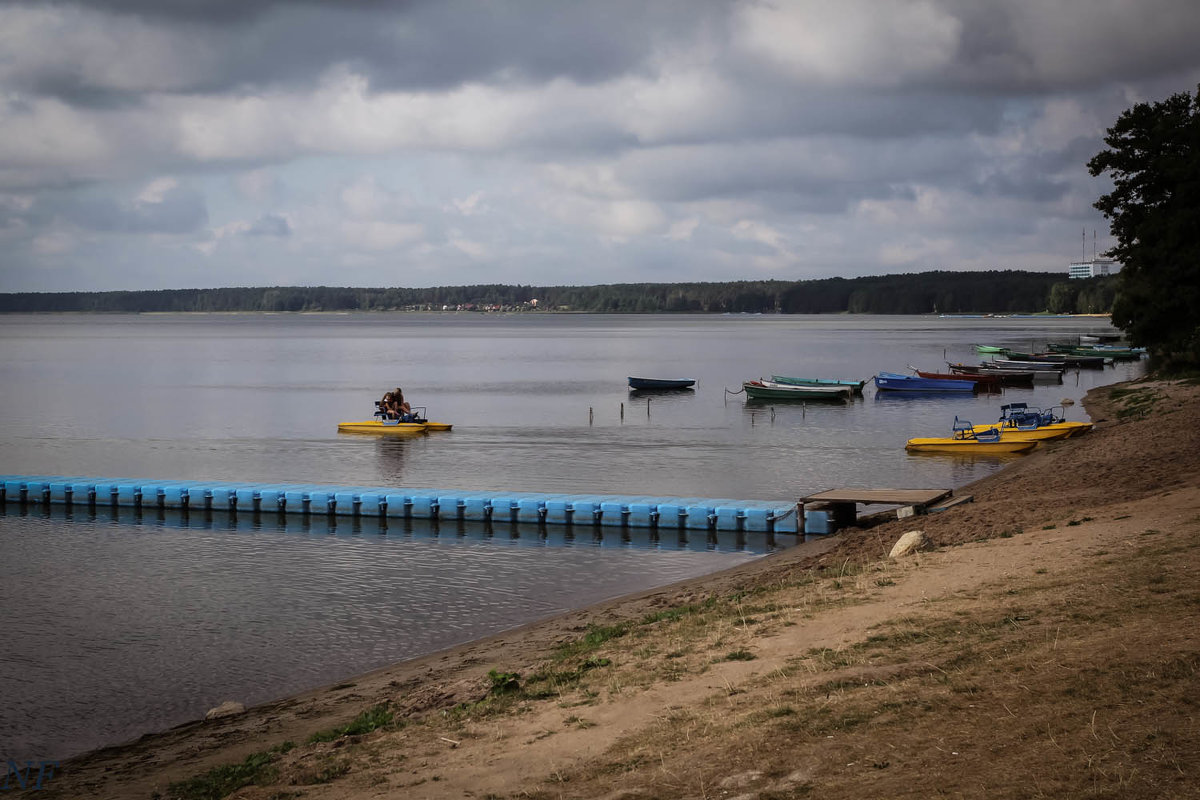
(1046, 645)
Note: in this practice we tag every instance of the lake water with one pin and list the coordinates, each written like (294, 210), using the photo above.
(119, 623)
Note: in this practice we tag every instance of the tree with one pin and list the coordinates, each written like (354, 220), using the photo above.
(1062, 298)
(1154, 161)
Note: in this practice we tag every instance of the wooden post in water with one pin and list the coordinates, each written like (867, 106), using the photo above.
(647, 408)
(622, 411)
(589, 416)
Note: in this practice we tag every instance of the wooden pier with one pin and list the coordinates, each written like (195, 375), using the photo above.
(841, 505)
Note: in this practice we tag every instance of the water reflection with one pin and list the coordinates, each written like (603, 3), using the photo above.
(390, 456)
(526, 534)
(126, 622)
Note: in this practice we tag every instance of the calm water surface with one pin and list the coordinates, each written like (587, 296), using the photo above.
(118, 624)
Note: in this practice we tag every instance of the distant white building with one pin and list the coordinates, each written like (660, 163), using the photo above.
(1094, 268)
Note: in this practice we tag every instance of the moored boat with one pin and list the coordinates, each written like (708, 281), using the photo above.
(967, 440)
(1021, 417)
(661, 384)
(415, 422)
(1036, 366)
(1103, 351)
(989, 348)
(895, 382)
(1090, 362)
(1006, 377)
(391, 427)
(856, 387)
(1036, 433)
(772, 390)
(989, 382)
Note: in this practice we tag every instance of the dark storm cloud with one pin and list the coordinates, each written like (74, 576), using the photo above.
(533, 140)
(414, 46)
(1019, 47)
(208, 11)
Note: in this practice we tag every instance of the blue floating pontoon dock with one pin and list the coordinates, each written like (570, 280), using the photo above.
(690, 513)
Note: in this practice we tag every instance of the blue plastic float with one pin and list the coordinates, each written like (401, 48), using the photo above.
(693, 513)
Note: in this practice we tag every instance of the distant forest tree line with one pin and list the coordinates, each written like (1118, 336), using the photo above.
(995, 292)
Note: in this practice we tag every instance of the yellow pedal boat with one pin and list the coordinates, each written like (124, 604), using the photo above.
(950, 444)
(970, 438)
(1039, 434)
(391, 427)
(1055, 430)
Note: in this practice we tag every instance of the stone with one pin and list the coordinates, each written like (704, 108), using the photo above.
(227, 709)
(911, 542)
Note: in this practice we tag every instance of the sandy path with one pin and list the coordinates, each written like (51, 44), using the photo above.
(1049, 514)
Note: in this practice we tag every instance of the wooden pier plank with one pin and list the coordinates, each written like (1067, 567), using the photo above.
(902, 497)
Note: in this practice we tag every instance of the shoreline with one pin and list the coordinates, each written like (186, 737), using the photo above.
(443, 680)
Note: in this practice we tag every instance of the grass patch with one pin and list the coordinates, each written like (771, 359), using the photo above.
(739, 655)
(1134, 403)
(595, 636)
(372, 719)
(257, 768)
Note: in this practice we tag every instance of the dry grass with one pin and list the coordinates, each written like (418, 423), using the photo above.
(1047, 649)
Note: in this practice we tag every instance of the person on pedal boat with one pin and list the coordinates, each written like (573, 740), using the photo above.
(395, 407)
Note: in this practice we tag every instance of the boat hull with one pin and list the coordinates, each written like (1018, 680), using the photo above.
(894, 382)
(1040, 434)
(990, 382)
(855, 387)
(952, 445)
(769, 390)
(1089, 362)
(391, 428)
(1036, 366)
(1006, 377)
(661, 384)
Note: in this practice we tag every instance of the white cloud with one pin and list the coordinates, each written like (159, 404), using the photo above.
(256, 184)
(45, 134)
(754, 231)
(468, 206)
(851, 42)
(683, 229)
(157, 190)
(365, 199)
(750, 137)
(476, 250)
(377, 235)
(54, 243)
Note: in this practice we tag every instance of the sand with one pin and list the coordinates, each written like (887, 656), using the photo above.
(1047, 646)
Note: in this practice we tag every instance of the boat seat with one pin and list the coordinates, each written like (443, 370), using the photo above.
(990, 436)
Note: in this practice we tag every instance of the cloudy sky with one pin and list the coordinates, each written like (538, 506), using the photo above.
(200, 143)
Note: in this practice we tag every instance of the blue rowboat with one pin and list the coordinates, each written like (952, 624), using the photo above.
(661, 384)
(894, 382)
